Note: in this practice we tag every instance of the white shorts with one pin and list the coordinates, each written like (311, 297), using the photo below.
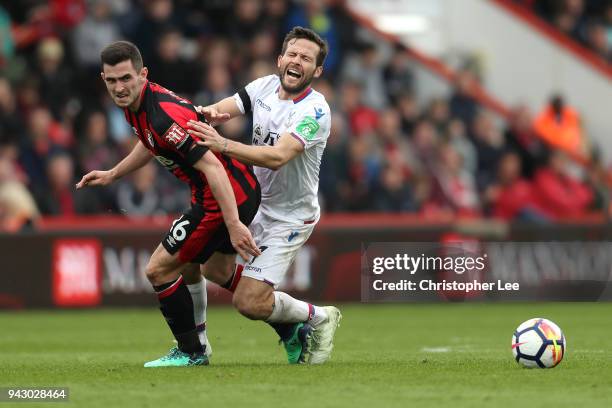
(279, 242)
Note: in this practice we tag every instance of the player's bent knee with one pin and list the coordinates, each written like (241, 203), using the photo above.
(243, 307)
(152, 272)
(253, 299)
(162, 267)
(251, 307)
(157, 273)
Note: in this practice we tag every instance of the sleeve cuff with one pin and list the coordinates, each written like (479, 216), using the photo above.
(299, 138)
(194, 152)
(239, 103)
(243, 101)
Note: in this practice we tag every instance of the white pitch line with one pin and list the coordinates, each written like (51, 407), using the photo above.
(436, 349)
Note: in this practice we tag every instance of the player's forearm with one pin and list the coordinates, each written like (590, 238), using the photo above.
(221, 189)
(227, 105)
(262, 156)
(138, 157)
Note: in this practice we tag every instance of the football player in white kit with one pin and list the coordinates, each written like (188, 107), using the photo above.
(291, 124)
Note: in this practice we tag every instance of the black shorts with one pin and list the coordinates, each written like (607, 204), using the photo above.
(197, 234)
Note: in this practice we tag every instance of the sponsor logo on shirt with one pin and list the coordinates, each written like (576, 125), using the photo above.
(259, 139)
(262, 105)
(149, 137)
(271, 138)
(167, 163)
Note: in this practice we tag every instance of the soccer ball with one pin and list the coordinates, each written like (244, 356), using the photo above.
(538, 343)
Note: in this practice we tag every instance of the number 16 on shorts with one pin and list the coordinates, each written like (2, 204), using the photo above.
(181, 229)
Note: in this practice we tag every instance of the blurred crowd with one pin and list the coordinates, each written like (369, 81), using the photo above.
(587, 21)
(388, 150)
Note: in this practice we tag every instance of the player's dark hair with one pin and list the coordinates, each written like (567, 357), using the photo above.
(307, 34)
(120, 51)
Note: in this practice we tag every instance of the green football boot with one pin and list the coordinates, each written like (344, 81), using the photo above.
(296, 346)
(177, 358)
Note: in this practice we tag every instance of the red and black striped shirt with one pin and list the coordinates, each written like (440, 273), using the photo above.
(160, 123)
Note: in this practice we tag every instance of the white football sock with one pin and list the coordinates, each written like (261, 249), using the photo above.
(199, 298)
(290, 310)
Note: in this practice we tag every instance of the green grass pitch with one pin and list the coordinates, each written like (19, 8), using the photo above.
(425, 355)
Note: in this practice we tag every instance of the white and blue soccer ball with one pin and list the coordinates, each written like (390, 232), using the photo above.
(538, 343)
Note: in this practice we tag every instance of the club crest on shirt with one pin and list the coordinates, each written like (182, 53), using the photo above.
(175, 135)
(289, 121)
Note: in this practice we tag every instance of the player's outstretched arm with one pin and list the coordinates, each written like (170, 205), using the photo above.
(241, 237)
(272, 157)
(220, 112)
(138, 157)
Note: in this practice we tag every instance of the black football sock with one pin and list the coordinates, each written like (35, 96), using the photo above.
(227, 285)
(232, 282)
(284, 330)
(177, 307)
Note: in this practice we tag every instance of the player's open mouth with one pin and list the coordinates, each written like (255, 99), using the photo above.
(293, 73)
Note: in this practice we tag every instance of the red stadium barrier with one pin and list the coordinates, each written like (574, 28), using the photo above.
(119, 222)
(333, 221)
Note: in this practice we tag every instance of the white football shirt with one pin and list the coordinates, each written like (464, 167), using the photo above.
(289, 193)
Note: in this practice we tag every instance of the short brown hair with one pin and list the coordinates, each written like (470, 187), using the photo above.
(120, 51)
(307, 34)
